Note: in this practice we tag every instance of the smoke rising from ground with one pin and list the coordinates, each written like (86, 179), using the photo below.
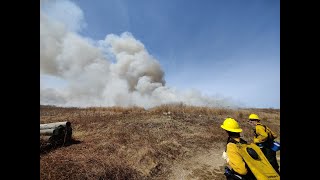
(116, 71)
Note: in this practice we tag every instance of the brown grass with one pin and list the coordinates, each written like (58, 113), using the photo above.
(135, 143)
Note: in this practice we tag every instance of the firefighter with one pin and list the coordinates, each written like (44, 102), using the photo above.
(239, 169)
(264, 138)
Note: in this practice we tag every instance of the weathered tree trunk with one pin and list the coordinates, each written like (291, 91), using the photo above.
(46, 132)
(44, 138)
(54, 125)
(59, 133)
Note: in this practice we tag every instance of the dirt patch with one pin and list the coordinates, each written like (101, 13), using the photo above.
(206, 164)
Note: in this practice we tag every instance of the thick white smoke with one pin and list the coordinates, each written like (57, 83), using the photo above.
(134, 77)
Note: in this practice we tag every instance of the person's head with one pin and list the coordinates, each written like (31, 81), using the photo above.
(253, 119)
(232, 127)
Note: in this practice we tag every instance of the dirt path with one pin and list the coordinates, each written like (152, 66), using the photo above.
(204, 165)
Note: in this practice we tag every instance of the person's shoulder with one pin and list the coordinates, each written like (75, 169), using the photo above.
(231, 145)
(259, 125)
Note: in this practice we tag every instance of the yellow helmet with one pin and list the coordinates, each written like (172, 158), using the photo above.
(232, 125)
(253, 116)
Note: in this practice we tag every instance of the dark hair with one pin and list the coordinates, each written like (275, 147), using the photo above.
(233, 134)
(254, 119)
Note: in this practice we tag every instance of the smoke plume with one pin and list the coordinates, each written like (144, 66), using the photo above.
(115, 71)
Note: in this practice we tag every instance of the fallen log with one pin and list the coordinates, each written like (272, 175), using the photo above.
(54, 125)
(59, 133)
(44, 138)
(46, 132)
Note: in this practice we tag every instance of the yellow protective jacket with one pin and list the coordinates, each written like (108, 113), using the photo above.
(235, 159)
(263, 133)
(240, 161)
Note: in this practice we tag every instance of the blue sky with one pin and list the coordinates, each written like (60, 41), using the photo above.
(222, 47)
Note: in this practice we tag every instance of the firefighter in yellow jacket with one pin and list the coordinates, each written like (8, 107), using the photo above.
(239, 169)
(264, 138)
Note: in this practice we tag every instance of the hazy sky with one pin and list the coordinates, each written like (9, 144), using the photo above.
(228, 48)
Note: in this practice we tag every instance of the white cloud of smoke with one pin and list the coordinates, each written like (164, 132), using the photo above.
(92, 79)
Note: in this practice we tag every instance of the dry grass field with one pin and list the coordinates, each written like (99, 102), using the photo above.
(166, 142)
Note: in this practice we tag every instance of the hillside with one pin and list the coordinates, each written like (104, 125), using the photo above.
(165, 142)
